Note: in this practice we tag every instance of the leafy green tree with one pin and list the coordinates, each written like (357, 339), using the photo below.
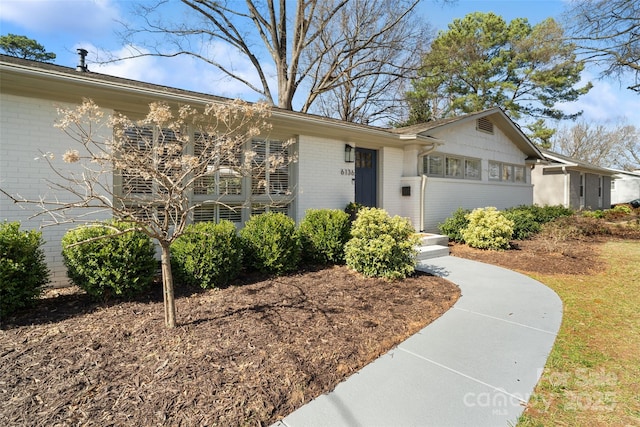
(482, 61)
(26, 48)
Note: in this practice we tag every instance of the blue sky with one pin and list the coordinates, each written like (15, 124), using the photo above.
(64, 25)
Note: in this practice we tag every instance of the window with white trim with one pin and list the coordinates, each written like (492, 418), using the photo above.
(227, 192)
(507, 172)
(270, 169)
(447, 166)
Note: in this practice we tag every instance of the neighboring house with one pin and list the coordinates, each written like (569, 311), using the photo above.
(571, 183)
(625, 186)
(421, 172)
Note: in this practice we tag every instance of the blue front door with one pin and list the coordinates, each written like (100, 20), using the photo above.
(366, 177)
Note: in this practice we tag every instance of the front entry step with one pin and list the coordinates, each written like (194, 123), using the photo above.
(432, 246)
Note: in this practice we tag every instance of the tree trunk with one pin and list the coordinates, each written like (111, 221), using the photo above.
(167, 288)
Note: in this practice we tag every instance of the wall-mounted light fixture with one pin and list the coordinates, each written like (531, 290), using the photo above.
(349, 153)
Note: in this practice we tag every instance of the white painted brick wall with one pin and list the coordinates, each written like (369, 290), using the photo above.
(324, 179)
(390, 173)
(26, 129)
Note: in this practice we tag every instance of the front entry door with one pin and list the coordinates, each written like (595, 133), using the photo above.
(366, 177)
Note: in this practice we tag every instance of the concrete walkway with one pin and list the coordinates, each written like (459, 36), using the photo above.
(476, 365)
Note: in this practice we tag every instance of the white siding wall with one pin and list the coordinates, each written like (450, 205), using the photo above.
(444, 196)
(26, 129)
(324, 179)
(465, 140)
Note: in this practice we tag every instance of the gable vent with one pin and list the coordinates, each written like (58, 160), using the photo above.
(484, 125)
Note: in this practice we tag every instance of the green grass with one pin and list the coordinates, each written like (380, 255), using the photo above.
(591, 376)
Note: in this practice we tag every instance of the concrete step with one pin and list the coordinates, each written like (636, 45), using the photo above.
(434, 239)
(431, 251)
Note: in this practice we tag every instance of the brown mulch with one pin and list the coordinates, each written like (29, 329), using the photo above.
(532, 256)
(244, 355)
(547, 254)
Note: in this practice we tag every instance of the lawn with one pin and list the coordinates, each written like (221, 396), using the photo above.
(591, 376)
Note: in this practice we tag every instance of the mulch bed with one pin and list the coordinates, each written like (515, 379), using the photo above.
(245, 355)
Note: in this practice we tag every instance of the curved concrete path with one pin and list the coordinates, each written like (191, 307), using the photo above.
(476, 365)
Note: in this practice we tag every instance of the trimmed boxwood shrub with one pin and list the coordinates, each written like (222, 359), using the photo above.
(323, 234)
(381, 246)
(207, 254)
(271, 243)
(107, 264)
(488, 229)
(23, 271)
(453, 226)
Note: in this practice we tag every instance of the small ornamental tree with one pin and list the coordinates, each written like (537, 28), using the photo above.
(159, 161)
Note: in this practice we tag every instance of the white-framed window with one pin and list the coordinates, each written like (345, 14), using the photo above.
(472, 169)
(454, 167)
(449, 166)
(519, 174)
(433, 165)
(507, 172)
(270, 169)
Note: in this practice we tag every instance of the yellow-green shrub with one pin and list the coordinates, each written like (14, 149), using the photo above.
(488, 228)
(381, 246)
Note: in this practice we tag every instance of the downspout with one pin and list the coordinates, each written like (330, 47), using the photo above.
(567, 197)
(423, 186)
(423, 182)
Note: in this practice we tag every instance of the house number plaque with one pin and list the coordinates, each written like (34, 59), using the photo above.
(348, 172)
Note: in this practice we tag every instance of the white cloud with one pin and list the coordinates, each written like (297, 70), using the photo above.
(148, 69)
(605, 102)
(86, 17)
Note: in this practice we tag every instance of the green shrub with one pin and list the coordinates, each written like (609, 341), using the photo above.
(524, 222)
(352, 210)
(271, 243)
(207, 254)
(23, 271)
(112, 264)
(546, 214)
(453, 226)
(597, 214)
(488, 229)
(381, 246)
(624, 209)
(323, 234)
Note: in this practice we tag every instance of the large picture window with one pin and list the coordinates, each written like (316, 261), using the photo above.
(229, 189)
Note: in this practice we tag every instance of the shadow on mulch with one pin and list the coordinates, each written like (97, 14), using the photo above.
(244, 355)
